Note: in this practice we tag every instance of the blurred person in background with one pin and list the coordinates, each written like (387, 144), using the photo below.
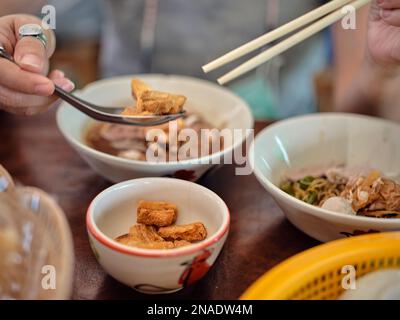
(179, 36)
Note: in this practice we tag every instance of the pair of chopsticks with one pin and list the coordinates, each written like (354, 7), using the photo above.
(323, 16)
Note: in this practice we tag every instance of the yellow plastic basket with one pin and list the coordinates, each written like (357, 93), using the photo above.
(317, 273)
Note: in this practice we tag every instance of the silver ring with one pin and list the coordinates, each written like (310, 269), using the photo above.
(33, 30)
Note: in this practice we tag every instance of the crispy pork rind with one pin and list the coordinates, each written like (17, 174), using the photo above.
(156, 102)
(138, 88)
(189, 232)
(152, 102)
(146, 237)
(132, 241)
(157, 213)
(155, 229)
(142, 233)
(129, 240)
(181, 243)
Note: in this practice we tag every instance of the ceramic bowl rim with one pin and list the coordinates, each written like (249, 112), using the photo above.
(95, 231)
(138, 163)
(301, 205)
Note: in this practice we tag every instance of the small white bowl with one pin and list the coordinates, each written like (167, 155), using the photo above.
(216, 104)
(326, 140)
(113, 211)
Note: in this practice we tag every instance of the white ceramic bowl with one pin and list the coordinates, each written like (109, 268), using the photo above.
(325, 140)
(218, 105)
(113, 211)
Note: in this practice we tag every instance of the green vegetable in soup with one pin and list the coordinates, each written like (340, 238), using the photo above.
(305, 182)
(311, 198)
(287, 186)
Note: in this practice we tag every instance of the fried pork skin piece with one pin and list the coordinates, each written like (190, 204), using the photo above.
(129, 240)
(142, 233)
(189, 232)
(153, 102)
(138, 88)
(181, 243)
(157, 213)
(157, 102)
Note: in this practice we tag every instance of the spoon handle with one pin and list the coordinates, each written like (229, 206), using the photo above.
(79, 104)
(5, 55)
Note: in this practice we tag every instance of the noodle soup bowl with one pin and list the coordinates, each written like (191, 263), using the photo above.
(317, 142)
(216, 105)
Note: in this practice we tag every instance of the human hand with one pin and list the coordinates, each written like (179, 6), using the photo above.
(27, 88)
(384, 32)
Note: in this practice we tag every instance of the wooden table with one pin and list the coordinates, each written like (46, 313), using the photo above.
(36, 154)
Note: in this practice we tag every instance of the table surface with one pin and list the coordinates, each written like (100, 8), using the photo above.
(35, 153)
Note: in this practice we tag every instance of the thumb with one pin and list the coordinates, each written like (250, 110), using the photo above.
(31, 53)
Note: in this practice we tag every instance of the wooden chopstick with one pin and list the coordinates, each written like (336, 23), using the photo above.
(275, 34)
(289, 42)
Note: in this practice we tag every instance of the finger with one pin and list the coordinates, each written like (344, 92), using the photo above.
(391, 17)
(389, 4)
(25, 104)
(14, 78)
(64, 83)
(59, 79)
(56, 74)
(30, 52)
(31, 55)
